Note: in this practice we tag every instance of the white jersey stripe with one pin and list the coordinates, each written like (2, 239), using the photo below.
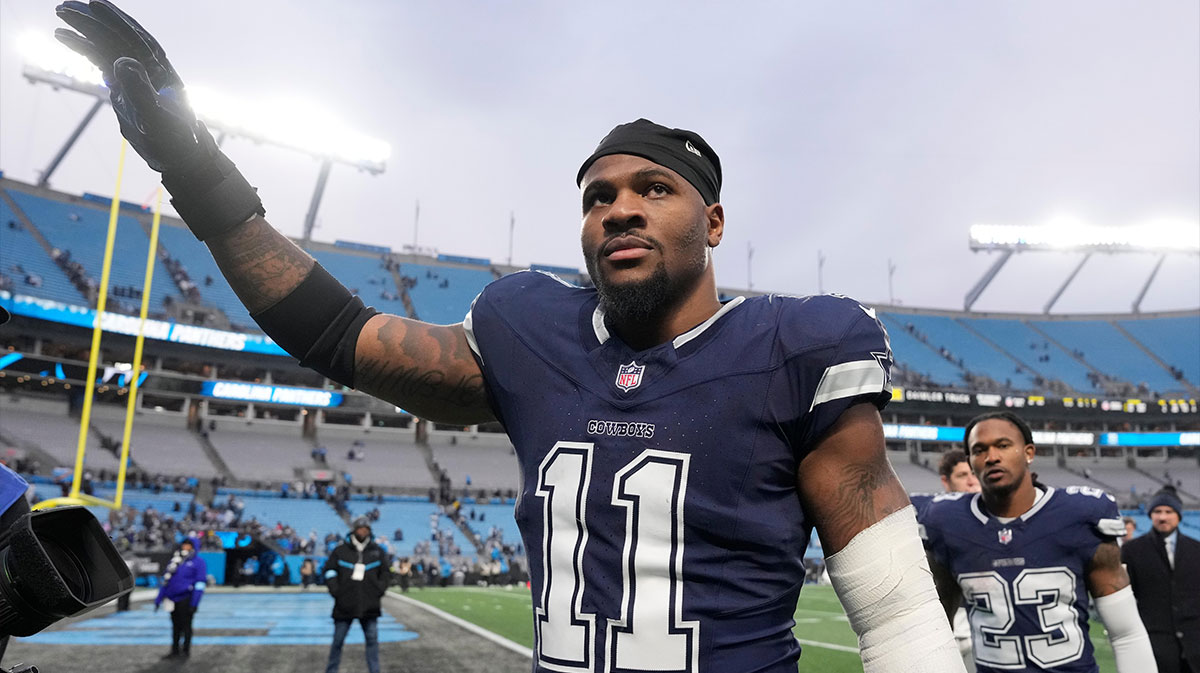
(849, 379)
(1111, 527)
(469, 328)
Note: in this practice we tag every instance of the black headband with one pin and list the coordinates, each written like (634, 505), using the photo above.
(684, 152)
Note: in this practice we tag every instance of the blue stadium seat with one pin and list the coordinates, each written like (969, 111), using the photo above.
(1109, 351)
(498, 515)
(18, 247)
(978, 356)
(919, 357)
(1026, 345)
(1175, 340)
(81, 229)
(444, 305)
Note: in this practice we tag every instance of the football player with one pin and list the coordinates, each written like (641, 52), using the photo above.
(675, 451)
(1025, 557)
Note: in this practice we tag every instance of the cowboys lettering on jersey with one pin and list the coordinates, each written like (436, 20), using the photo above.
(658, 495)
(1023, 580)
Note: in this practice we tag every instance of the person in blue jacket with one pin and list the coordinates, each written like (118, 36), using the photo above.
(184, 584)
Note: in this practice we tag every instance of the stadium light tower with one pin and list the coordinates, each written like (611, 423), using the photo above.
(292, 123)
(1068, 235)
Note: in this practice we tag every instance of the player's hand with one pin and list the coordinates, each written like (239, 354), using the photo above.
(146, 92)
(206, 188)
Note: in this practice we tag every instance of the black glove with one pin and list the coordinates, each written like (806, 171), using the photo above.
(148, 97)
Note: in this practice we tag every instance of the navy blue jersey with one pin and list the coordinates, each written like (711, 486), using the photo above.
(658, 499)
(1024, 581)
(920, 501)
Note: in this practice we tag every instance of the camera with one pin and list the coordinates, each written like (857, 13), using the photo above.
(54, 564)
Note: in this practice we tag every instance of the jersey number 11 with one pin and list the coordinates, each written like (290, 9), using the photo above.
(650, 633)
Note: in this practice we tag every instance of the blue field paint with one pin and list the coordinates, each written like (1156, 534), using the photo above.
(288, 619)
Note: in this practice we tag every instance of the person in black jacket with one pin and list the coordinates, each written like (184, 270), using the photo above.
(357, 576)
(1164, 569)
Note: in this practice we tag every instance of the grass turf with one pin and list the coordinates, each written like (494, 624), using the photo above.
(820, 623)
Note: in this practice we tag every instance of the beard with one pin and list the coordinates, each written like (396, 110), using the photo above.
(652, 298)
(636, 302)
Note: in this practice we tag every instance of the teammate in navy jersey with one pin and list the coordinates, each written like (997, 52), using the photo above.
(676, 452)
(1025, 557)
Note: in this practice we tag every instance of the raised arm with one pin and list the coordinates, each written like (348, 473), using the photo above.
(873, 552)
(426, 369)
(1108, 584)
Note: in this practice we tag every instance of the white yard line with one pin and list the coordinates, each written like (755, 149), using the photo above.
(473, 628)
(828, 646)
(521, 649)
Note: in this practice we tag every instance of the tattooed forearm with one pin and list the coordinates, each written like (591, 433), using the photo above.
(411, 382)
(426, 369)
(854, 502)
(261, 264)
(1105, 574)
(846, 483)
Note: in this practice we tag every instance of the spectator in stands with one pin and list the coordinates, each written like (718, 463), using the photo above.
(357, 577)
(308, 573)
(184, 584)
(1164, 570)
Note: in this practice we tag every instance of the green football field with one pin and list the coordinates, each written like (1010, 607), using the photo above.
(821, 626)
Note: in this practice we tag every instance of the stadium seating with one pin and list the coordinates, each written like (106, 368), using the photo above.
(1025, 344)
(1174, 339)
(488, 458)
(916, 478)
(1110, 352)
(160, 443)
(498, 515)
(391, 456)
(919, 357)
(262, 450)
(1114, 476)
(303, 515)
(18, 248)
(979, 356)
(365, 273)
(46, 425)
(81, 229)
(444, 305)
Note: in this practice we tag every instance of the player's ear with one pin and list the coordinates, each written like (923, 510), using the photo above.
(1030, 452)
(716, 224)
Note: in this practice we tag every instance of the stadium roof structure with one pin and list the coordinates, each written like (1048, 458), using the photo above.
(297, 125)
(1163, 237)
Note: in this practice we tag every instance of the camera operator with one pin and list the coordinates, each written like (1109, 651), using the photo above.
(13, 504)
(53, 564)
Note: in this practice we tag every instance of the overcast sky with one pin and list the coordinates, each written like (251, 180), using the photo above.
(869, 131)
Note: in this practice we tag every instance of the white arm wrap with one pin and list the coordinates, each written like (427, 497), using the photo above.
(1130, 643)
(882, 578)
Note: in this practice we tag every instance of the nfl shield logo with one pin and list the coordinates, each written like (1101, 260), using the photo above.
(630, 376)
(1005, 535)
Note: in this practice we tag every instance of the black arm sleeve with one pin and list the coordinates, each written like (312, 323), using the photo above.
(318, 323)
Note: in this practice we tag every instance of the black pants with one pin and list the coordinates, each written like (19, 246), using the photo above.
(181, 628)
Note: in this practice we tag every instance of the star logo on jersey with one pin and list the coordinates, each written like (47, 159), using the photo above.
(630, 376)
(1005, 535)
